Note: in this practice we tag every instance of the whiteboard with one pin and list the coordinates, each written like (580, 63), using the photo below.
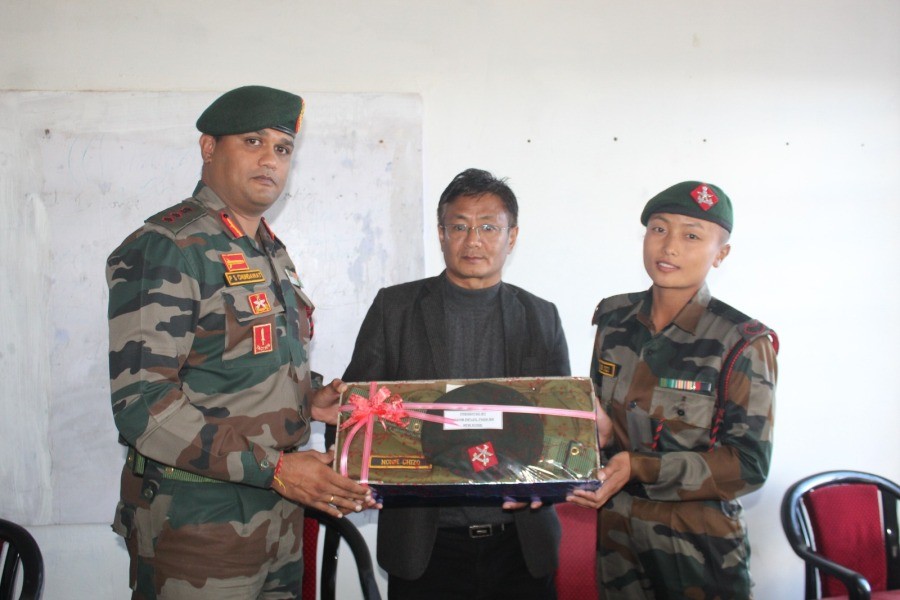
(81, 170)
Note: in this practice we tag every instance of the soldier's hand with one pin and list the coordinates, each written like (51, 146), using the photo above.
(307, 478)
(324, 406)
(512, 504)
(613, 478)
(604, 426)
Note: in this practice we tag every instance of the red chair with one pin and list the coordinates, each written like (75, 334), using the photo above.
(576, 577)
(843, 524)
(335, 531)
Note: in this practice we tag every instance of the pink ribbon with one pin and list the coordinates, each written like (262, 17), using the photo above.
(531, 410)
(366, 410)
(375, 407)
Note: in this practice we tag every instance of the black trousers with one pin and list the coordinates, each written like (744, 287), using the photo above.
(463, 568)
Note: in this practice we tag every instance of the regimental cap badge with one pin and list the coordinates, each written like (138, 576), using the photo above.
(482, 456)
(704, 196)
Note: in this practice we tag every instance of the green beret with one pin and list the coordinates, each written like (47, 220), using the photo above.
(251, 108)
(693, 199)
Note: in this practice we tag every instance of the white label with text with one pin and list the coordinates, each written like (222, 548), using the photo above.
(474, 419)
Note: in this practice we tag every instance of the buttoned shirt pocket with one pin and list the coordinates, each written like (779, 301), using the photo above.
(254, 326)
(681, 420)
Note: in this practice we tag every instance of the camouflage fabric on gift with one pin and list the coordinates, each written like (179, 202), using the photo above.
(676, 531)
(209, 375)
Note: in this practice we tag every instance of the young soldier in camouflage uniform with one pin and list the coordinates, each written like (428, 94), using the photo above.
(684, 444)
(209, 370)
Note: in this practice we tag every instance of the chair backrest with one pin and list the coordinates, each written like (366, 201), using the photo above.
(335, 531)
(844, 525)
(845, 520)
(21, 549)
(576, 577)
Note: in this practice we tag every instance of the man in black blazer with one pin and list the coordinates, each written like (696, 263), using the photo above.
(466, 323)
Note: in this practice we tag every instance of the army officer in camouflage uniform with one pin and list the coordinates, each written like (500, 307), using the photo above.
(209, 370)
(690, 430)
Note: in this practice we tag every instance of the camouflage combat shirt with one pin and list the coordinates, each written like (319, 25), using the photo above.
(660, 393)
(209, 337)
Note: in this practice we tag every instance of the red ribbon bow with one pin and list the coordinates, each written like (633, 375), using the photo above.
(381, 404)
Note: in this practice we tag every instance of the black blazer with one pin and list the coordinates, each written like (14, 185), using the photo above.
(402, 338)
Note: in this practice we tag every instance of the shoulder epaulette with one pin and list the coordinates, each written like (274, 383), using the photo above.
(613, 303)
(596, 316)
(726, 311)
(750, 330)
(175, 218)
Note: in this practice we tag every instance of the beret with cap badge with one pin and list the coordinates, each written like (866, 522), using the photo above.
(693, 199)
(252, 108)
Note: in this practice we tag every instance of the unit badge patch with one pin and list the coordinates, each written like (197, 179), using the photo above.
(262, 338)
(235, 261)
(259, 303)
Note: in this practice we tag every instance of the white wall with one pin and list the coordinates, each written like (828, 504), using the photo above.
(589, 107)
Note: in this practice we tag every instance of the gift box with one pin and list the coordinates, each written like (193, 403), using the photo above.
(484, 438)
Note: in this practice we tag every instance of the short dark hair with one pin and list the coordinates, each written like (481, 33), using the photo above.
(477, 182)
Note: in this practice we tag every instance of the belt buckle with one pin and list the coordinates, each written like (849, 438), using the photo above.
(481, 531)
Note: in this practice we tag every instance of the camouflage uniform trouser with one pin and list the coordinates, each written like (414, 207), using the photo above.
(672, 550)
(202, 541)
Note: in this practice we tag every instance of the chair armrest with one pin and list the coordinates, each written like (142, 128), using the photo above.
(335, 530)
(858, 587)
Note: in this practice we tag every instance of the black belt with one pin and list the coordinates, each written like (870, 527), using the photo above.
(485, 530)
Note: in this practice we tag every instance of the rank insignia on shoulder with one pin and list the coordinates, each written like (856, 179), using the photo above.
(244, 277)
(259, 303)
(262, 338)
(606, 368)
(235, 261)
(176, 217)
(685, 384)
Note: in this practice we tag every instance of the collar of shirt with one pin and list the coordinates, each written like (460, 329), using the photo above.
(686, 319)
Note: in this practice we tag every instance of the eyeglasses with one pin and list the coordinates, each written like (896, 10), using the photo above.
(486, 231)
